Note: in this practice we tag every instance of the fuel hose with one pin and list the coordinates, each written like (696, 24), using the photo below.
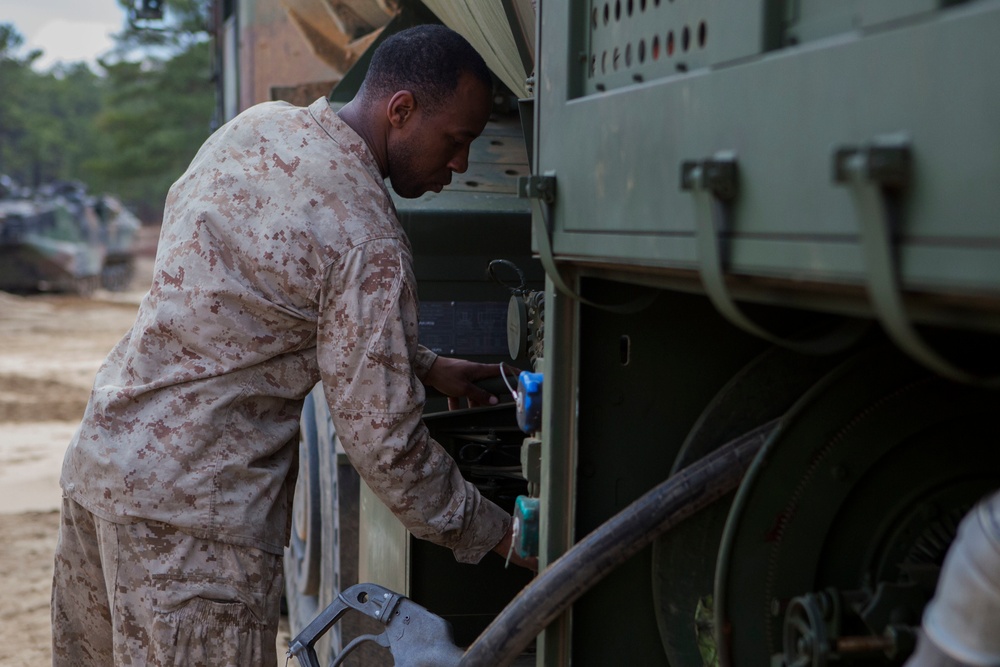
(611, 544)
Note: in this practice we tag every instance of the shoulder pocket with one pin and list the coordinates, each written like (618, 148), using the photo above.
(394, 339)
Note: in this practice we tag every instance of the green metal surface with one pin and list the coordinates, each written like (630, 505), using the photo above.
(557, 529)
(809, 20)
(642, 381)
(783, 113)
(879, 445)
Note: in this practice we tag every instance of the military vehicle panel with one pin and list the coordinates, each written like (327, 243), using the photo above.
(756, 211)
(769, 237)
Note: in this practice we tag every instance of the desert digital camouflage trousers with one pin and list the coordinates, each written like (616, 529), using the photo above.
(143, 593)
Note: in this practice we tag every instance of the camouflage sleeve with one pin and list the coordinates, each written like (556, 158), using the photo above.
(423, 361)
(367, 347)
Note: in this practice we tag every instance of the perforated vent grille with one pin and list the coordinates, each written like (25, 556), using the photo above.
(632, 41)
(636, 40)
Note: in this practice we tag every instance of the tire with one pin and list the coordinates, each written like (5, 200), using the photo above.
(322, 557)
(302, 556)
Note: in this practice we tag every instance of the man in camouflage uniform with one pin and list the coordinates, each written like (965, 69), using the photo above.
(281, 263)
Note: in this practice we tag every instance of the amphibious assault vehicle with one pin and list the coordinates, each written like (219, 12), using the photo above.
(60, 238)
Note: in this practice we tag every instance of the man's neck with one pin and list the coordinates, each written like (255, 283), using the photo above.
(359, 119)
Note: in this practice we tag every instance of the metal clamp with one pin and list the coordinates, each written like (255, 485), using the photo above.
(878, 175)
(888, 164)
(718, 175)
(414, 636)
(542, 189)
(714, 184)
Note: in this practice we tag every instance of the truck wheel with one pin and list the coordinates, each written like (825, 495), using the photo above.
(303, 554)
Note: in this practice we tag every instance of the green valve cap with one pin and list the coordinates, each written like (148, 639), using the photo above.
(526, 526)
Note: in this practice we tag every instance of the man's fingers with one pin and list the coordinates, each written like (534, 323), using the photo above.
(486, 371)
(478, 396)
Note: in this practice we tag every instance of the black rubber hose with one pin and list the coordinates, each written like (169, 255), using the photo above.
(610, 545)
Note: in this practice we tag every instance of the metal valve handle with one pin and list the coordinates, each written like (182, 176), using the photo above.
(414, 636)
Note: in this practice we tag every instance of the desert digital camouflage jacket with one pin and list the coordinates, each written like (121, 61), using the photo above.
(281, 262)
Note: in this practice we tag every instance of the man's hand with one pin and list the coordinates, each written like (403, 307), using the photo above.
(503, 548)
(455, 377)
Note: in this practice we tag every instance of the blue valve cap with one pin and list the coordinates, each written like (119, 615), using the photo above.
(529, 401)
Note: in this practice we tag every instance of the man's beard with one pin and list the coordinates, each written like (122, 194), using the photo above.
(401, 172)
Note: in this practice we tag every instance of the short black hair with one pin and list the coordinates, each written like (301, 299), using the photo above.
(427, 60)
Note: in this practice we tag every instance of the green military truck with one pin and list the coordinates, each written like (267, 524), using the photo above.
(753, 250)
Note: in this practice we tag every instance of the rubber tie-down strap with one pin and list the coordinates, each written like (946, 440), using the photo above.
(877, 176)
(713, 184)
(541, 192)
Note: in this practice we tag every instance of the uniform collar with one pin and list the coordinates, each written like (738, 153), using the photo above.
(346, 138)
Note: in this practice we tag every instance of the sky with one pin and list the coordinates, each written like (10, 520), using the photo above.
(66, 30)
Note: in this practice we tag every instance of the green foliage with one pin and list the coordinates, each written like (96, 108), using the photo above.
(156, 115)
(130, 130)
(44, 129)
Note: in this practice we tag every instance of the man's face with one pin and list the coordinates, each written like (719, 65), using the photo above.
(428, 147)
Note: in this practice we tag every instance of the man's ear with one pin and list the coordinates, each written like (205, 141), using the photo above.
(400, 108)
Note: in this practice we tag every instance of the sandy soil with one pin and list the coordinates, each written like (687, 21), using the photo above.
(50, 348)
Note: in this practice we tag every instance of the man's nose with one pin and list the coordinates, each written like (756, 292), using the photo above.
(460, 161)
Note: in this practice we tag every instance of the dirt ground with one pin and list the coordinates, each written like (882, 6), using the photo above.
(50, 348)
